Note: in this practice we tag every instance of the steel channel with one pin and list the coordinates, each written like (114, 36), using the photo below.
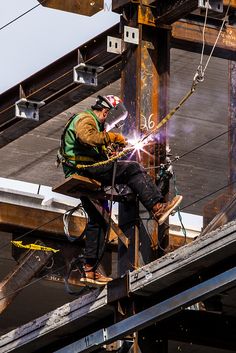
(232, 126)
(153, 314)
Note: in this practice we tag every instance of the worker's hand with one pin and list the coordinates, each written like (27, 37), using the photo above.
(117, 138)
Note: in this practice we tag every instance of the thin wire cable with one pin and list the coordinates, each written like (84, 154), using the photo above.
(203, 144)
(31, 283)
(210, 194)
(66, 220)
(32, 230)
(23, 14)
(178, 210)
(6, 259)
(203, 35)
(195, 148)
(221, 28)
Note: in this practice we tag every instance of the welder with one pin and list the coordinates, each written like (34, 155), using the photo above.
(84, 141)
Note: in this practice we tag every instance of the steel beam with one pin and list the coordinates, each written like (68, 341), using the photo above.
(188, 36)
(54, 85)
(200, 327)
(232, 127)
(120, 5)
(86, 8)
(14, 282)
(171, 11)
(14, 217)
(145, 97)
(174, 270)
(153, 314)
(232, 3)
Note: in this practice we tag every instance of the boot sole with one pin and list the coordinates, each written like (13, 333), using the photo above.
(162, 219)
(90, 281)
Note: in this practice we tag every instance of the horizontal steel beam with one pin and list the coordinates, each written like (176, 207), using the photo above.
(30, 264)
(232, 3)
(54, 85)
(172, 11)
(13, 217)
(188, 36)
(200, 327)
(52, 329)
(153, 314)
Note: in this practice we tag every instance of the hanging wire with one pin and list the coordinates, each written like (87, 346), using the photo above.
(31, 283)
(66, 220)
(203, 40)
(23, 14)
(178, 210)
(33, 230)
(221, 28)
(177, 158)
(204, 197)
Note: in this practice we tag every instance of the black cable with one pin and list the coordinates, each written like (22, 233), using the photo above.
(203, 144)
(23, 14)
(32, 230)
(178, 210)
(31, 283)
(210, 194)
(196, 148)
(6, 259)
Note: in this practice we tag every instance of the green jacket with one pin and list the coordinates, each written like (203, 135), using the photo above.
(84, 141)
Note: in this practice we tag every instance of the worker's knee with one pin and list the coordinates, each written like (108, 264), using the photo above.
(134, 168)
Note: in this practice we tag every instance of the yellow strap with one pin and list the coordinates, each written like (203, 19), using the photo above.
(33, 246)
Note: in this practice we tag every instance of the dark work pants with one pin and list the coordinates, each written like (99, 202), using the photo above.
(95, 231)
(127, 172)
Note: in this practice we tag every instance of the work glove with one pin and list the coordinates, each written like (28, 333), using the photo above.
(117, 138)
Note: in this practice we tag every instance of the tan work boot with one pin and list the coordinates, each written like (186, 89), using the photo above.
(161, 211)
(93, 277)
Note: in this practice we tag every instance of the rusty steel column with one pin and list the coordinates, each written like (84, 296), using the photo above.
(31, 263)
(232, 127)
(144, 82)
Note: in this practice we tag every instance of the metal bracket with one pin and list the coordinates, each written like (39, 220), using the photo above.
(115, 45)
(131, 35)
(86, 74)
(28, 109)
(214, 5)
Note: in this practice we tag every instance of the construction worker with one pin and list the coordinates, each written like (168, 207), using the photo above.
(83, 142)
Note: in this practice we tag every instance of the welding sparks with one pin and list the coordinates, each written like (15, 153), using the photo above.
(138, 145)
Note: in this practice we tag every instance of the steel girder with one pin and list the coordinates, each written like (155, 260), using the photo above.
(153, 314)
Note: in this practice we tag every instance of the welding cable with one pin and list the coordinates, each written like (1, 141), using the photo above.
(32, 230)
(23, 14)
(66, 220)
(153, 245)
(126, 150)
(178, 209)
